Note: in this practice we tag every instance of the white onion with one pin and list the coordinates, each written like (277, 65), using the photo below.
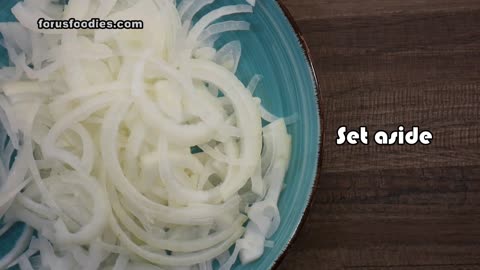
(104, 8)
(104, 123)
(196, 6)
(206, 20)
(20, 245)
(121, 263)
(76, 9)
(28, 17)
(229, 55)
(184, 6)
(252, 85)
(222, 27)
(5, 228)
(24, 263)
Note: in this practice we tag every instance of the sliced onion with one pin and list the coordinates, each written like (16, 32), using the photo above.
(104, 8)
(252, 85)
(222, 27)
(121, 263)
(229, 55)
(5, 228)
(206, 20)
(107, 124)
(20, 245)
(24, 263)
(28, 17)
(194, 8)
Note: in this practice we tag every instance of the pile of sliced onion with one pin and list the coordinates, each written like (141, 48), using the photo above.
(135, 149)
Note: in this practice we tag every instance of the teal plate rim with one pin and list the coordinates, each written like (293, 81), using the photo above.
(319, 99)
(311, 196)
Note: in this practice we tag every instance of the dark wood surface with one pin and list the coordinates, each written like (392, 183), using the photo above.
(382, 63)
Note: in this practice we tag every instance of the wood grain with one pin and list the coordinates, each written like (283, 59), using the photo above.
(384, 63)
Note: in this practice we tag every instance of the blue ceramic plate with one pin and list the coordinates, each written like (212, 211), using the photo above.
(275, 49)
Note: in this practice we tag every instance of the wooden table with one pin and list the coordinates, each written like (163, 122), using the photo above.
(383, 63)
